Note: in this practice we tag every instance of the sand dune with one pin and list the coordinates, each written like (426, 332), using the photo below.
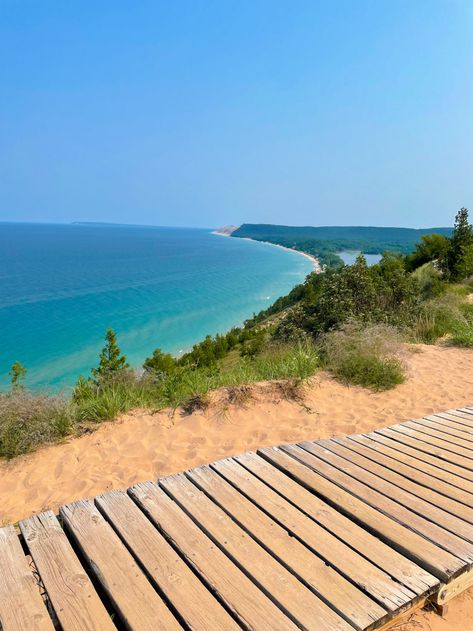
(142, 446)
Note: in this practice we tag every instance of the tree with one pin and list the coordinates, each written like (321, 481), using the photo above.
(432, 247)
(112, 362)
(460, 243)
(17, 375)
(160, 363)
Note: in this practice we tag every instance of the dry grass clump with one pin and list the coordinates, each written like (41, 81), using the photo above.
(239, 395)
(367, 356)
(289, 389)
(198, 402)
(28, 420)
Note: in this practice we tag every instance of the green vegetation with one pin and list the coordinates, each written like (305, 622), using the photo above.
(28, 420)
(17, 375)
(365, 356)
(112, 362)
(350, 320)
(325, 241)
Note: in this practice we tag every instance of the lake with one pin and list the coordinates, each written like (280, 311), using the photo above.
(350, 257)
(61, 286)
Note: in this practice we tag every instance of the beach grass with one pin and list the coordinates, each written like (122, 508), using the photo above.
(28, 420)
(367, 356)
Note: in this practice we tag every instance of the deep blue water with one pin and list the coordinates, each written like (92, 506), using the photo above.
(61, 286)
(350, 257)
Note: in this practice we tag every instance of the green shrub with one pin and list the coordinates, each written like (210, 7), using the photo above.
(365, 355)
(28, 420)
(429, 280)
(462, 333)
(463, 336)
(96, 403)
(439, 317)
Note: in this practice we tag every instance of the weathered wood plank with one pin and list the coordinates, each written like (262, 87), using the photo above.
(346, 599)
(452, 422)
(430, 429)
(134, 598)
(21, 605)
(402, 569)
(427, 453)
(301, 604)
(444, 511)
(434, 559)
(350, 562)
(75, 601)
(353, 478)
(449, 450)
(462, 414)
(194, 602)
(252, 607)
(444, 430)
(387, 457)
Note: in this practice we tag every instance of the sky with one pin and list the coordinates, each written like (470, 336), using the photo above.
(205, 113)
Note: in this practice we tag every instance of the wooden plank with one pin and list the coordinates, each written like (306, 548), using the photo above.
(454, 588)
(438, 457)
(355, 479)
(449, 431)
(21, 605)
(431, 429)
(293, 500)
(253, 608)
(406, 488)
(434, 559)
(464, 412)
(75, 601)
(194, 602)
(134, 598)
(457, 418)
(346, 599)
(466, 416)
(302, 605)
(461, 414)
(448, 450)
(396, 624)
(452, 422)
(349, 562)
(429, 476)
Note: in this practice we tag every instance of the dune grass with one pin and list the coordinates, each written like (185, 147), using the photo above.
(28, 420)
(367, 356)
(448, 316)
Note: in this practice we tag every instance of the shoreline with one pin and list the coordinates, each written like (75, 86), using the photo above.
(314, 260)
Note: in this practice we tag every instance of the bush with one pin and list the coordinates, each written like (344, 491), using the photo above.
(102, 402)
(365, 356)
(440, 316)
(429, 280)
(28, 420)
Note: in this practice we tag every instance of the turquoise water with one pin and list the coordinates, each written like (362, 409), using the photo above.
(61, 286)
(350, 257)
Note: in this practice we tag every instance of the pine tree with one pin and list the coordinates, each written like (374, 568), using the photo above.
(111, 359)
(461, 243)
(17, 375)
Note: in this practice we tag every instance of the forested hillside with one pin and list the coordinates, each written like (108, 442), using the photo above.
(325, 241)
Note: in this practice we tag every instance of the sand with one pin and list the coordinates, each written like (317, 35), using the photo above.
(142, 446)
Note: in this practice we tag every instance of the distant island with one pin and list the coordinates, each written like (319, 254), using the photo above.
(324, 242)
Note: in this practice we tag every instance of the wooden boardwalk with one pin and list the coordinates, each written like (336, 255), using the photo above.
(332, 535)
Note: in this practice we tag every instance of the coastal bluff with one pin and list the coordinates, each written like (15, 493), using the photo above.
(226, 231)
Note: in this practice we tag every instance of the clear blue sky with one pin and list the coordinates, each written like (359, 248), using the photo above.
(199, 113)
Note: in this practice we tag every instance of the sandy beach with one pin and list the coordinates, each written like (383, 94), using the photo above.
(142, 446)
(315, 261)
